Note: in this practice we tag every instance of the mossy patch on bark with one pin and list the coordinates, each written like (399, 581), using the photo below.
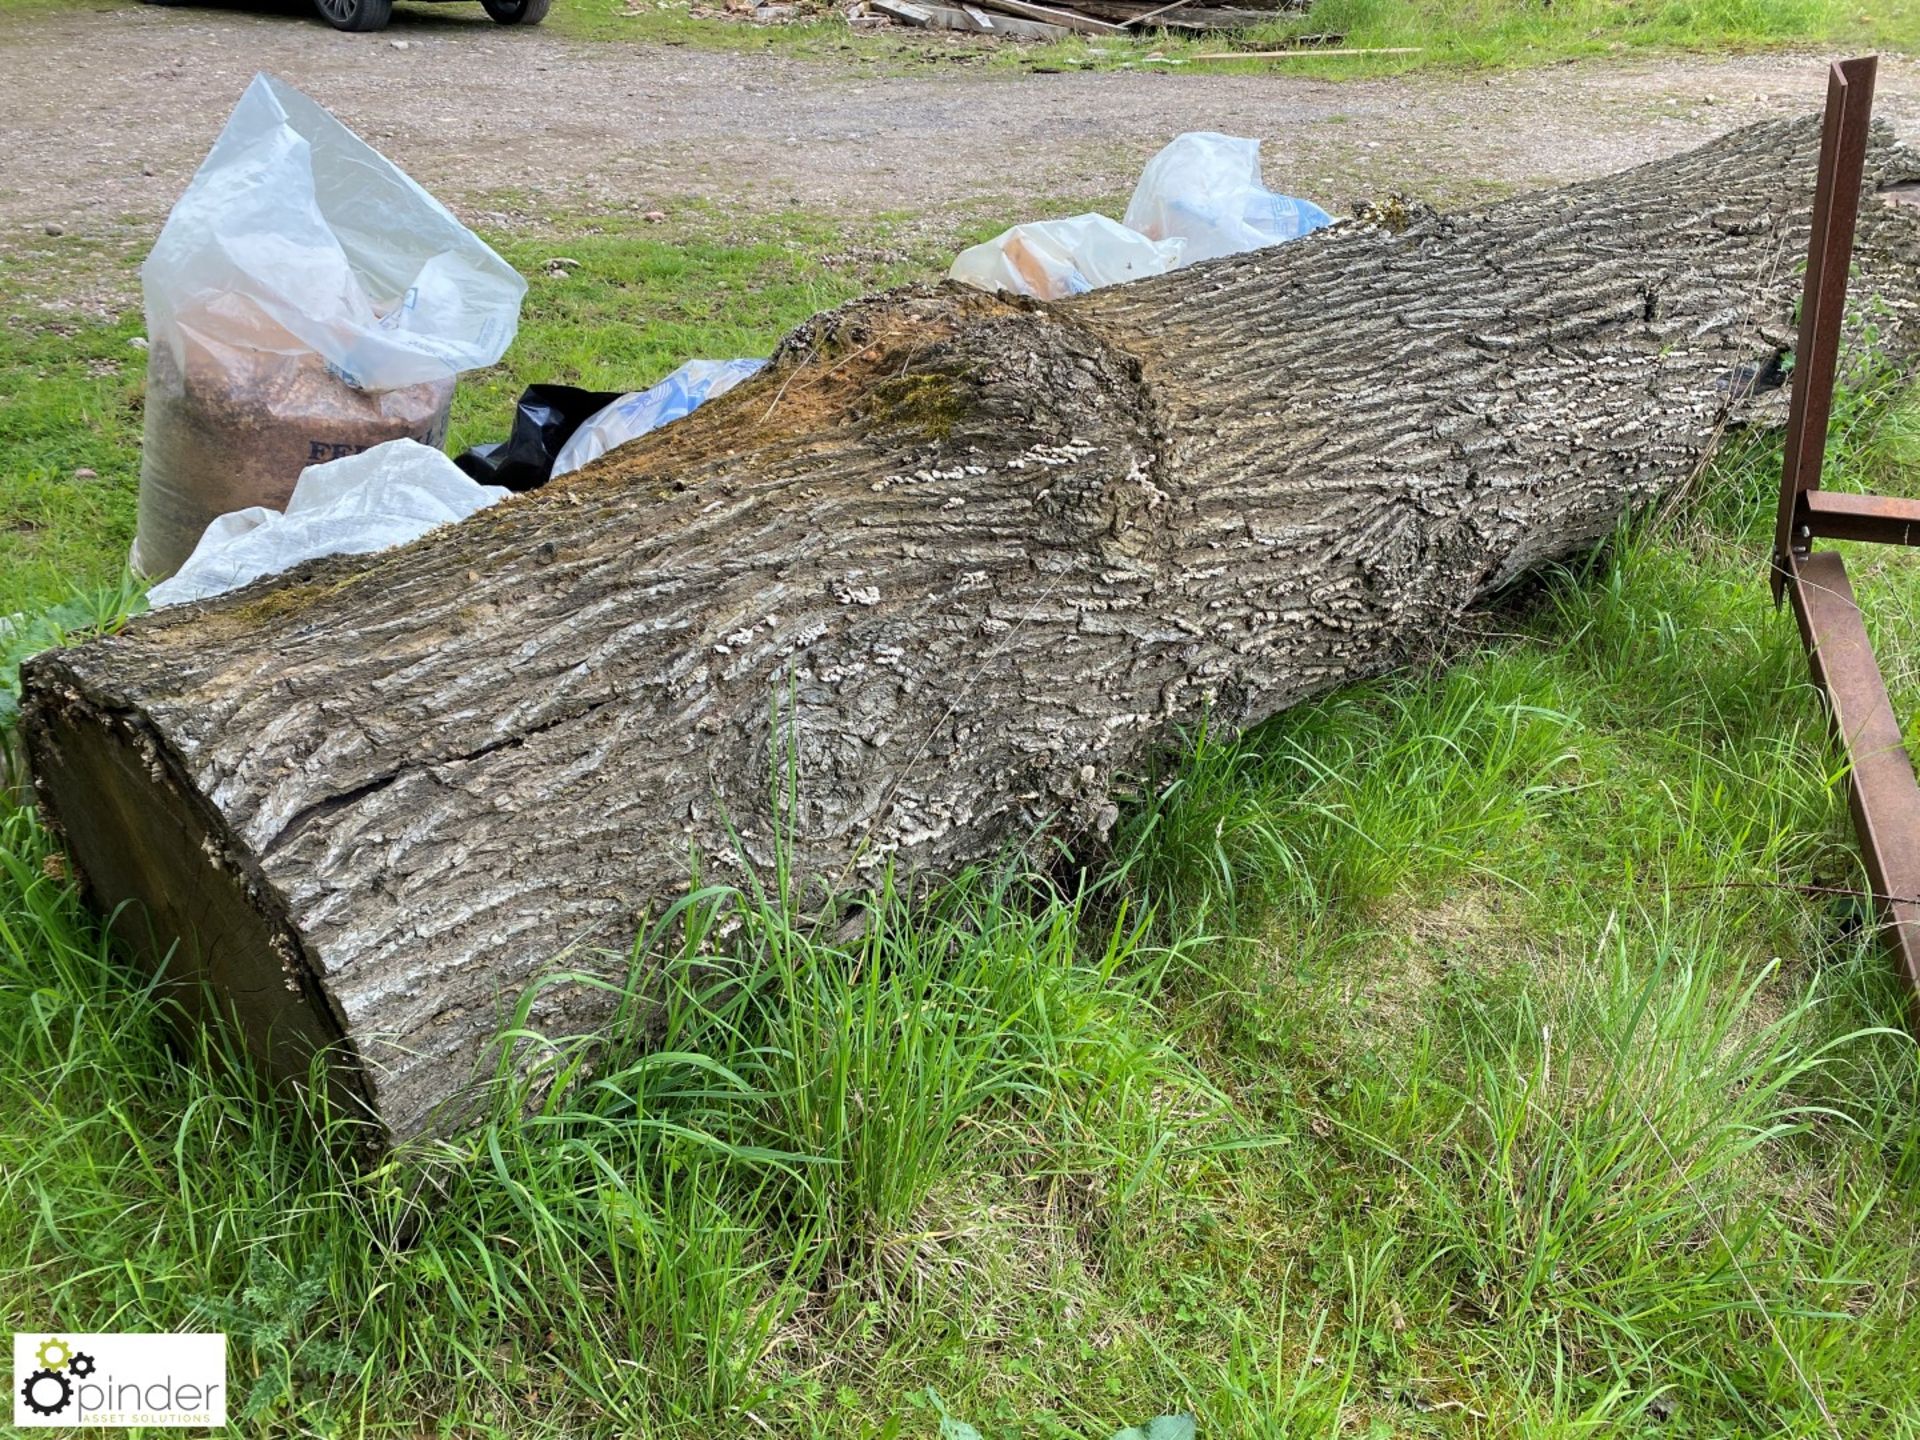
(929, 404)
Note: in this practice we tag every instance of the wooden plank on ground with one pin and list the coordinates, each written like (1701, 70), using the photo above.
(969, 19)
(1155, 14)
(1207, 17)
(1190, 15)
(1072, 19)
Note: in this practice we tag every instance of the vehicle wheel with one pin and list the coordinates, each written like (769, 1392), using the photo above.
(355, 14)
(518, 12)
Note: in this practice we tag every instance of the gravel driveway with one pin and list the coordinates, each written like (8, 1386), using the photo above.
(486, 117)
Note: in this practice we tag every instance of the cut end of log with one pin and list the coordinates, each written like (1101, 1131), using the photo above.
(182, 895)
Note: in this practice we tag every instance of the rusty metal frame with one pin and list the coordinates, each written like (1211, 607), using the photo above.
(1882, 791)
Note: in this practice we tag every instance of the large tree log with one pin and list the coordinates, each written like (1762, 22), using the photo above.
(960, 559)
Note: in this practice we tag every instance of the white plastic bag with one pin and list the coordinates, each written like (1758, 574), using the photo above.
(1052, 259)
(385, 496)
(1205, 189)
(633, 415)
(305, 300)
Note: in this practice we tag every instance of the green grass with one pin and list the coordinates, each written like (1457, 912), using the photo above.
(1481, 34)
(1457, 1055)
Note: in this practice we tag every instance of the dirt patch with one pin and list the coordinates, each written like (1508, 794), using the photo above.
(484, 116)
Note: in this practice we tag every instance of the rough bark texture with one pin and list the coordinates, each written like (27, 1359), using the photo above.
(959, 558)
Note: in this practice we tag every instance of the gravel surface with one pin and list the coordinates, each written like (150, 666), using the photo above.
(527, 122)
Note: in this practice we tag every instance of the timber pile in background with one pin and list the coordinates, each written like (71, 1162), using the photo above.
(1024, 20)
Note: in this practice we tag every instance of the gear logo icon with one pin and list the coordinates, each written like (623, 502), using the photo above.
(47, 1392)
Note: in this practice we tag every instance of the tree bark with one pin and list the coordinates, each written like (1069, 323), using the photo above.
(952, 562)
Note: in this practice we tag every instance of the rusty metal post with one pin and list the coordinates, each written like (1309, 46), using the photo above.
(1882, 791)
(1823, 301)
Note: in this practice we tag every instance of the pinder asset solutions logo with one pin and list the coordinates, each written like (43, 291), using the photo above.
(66, 1380)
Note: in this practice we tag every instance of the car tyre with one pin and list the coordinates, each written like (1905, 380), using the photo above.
(518, 12)
(355, 14)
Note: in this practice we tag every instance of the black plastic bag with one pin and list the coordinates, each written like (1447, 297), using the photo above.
(543, 421)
